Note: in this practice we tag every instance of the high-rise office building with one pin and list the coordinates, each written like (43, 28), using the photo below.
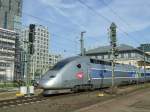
(53, 59)
(40, 59)
(10, 14)
(10, 24)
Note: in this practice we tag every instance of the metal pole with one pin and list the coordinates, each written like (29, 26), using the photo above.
(113, 69)
(144, 65)
(5, 74)
(27, 68)
(113, 45)
(33, 67)
(25, 71)
(82, 43)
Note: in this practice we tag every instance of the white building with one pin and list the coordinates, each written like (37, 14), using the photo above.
(7, 54)
(39, 60)
(53, 59)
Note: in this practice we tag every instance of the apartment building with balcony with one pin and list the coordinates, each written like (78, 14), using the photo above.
(7, 54)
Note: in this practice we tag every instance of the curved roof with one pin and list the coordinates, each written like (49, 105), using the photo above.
(106, 49)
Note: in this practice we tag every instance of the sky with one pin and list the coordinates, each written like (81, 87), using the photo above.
(66, 19)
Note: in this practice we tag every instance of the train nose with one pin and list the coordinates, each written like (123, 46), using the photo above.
(47, 80)
(47, 84)
(43, 84)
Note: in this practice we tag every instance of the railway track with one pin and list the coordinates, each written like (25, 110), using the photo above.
(21, 101)
(32, 99)
(35, 99)
(40, 98)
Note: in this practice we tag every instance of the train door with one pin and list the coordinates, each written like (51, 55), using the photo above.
(96, 77)
(102, 78)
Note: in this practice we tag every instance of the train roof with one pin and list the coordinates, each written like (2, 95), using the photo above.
(95, 61)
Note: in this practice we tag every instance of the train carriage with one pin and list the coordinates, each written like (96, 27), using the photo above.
(79, 73)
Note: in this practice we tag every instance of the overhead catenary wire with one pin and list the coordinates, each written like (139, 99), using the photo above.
(120, 17)
(50, 22)
(80, 25)
(105, 18)
(41, 19)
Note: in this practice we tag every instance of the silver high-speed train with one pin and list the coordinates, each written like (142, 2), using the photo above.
(79, 73)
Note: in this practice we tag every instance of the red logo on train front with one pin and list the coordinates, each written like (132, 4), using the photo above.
(80, 75)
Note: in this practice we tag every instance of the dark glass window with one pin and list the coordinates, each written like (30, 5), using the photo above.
(129, 55)
(95, 61)
(62, 63)
(5, 20)
(122, 55)
(9, 5)
(0, 3)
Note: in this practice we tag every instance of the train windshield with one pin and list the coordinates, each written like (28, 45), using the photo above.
(62, 63)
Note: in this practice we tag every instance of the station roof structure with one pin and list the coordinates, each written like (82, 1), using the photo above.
(107, 49)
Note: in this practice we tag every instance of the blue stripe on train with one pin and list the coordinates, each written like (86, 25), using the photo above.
(94, 73)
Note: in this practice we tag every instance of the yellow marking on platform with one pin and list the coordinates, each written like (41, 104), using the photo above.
(100, 94)
(19, 94)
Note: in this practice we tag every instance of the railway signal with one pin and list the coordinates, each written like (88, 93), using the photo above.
(29, 52)
(82, 44)
(31, 38)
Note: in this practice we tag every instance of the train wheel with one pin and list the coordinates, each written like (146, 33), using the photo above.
(75, 89)
(91, 88)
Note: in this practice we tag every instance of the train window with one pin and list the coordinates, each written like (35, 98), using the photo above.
(100, 62)
(52, 76)
(62, 63)
(59, 65)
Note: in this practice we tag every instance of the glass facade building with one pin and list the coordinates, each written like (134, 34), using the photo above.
(10, 14)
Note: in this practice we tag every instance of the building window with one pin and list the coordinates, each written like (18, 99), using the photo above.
(105, 56)
(129, 55)
(132, 54)
(0, 3)
(5, 20)
(9, 5)
(109, 56)
(122, 55)
(125, 55)
(119, 56)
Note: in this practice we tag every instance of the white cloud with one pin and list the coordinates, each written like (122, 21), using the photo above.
(135, 16)
(133, 12)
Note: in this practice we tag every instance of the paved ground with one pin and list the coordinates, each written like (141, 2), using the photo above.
(12, 94)
(129, 99)
(134, 102)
